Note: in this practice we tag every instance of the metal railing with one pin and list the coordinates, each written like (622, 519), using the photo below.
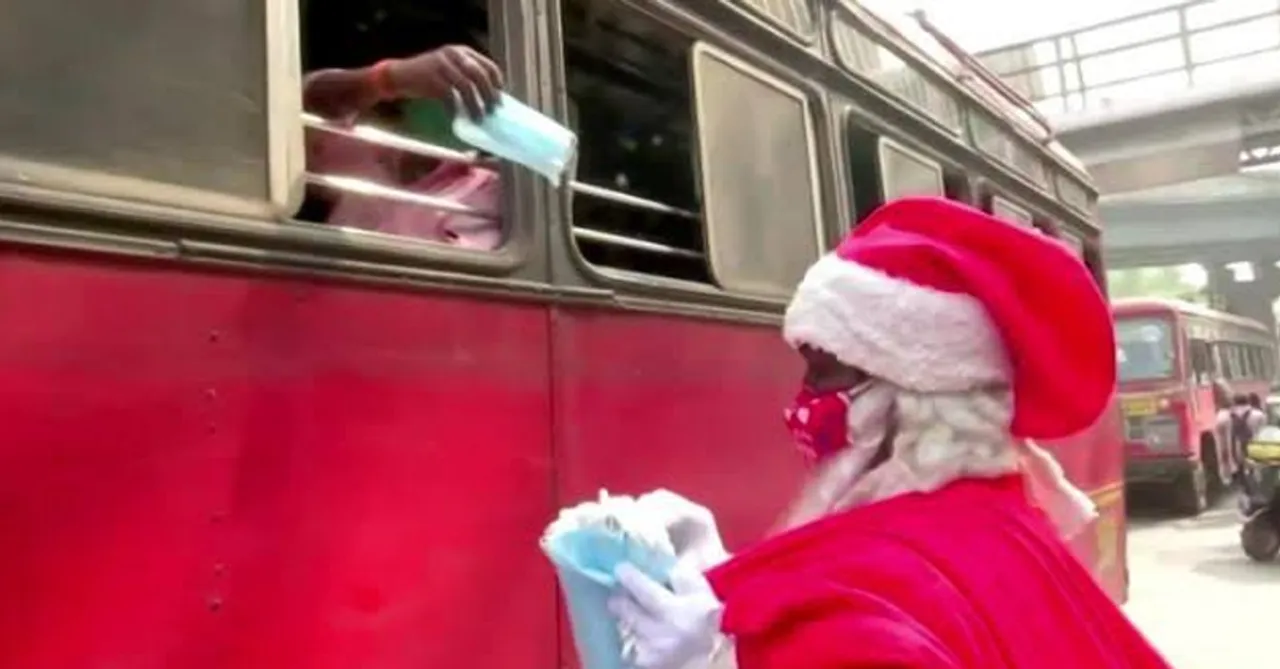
(380, 137)
(1152, 53)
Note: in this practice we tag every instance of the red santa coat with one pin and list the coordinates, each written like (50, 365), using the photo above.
(969, 577)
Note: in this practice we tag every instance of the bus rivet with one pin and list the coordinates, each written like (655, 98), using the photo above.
(215, 603)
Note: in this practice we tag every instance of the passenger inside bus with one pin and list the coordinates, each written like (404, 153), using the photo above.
(411, 95)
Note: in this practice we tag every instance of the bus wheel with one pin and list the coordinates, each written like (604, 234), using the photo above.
(1191, 491)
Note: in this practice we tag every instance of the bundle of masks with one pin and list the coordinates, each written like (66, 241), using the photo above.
(586, 544)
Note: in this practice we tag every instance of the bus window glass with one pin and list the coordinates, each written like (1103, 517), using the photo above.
(1074, 243)
(1233, 362)
(1144, 349)
(759, 174)
(905, 173)
(178, 114)
(395, 167)
(1008, 211)
(795, 16)
(636, 206)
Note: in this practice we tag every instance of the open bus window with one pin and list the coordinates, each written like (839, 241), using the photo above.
(393, 167)
(636, 206)
(637, 87)
(881, 169)
(1006, 210)
(1201, 362)
(1144, 349)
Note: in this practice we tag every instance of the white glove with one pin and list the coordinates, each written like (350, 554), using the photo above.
(667, 629)
(691, 527)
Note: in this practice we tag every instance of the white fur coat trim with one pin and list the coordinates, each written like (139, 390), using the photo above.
(918, 338)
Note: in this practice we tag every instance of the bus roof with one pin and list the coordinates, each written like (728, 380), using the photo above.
(1135, 306)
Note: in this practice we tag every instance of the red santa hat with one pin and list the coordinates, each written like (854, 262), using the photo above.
(934, 296)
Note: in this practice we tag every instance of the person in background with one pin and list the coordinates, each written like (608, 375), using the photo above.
(416, 94)
(932, 533)
(1238, 423)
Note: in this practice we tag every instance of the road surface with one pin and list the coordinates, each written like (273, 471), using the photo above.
(1196, 595)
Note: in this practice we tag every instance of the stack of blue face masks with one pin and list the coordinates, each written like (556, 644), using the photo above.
(521, 134)
(586, 545)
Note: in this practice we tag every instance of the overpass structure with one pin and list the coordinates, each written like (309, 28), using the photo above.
(1176, 114)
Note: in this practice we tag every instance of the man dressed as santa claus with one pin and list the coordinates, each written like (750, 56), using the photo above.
(933, 533)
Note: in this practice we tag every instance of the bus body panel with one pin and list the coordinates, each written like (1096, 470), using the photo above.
(213, 468)
(1094, 461)
(205, 469)
(644, 401)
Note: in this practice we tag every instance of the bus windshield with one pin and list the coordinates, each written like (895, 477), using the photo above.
(1144, 349)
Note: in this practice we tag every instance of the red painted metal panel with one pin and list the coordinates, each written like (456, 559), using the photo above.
(646, 401)
(212, 470)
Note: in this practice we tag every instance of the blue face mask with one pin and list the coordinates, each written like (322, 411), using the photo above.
(521, 134)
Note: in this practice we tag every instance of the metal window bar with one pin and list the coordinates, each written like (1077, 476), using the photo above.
(391, 140)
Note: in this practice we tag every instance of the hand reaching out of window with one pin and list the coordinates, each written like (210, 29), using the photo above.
(438, 73)
(435, 74)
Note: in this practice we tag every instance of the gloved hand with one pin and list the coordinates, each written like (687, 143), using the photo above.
(691, 527)
(667, 628)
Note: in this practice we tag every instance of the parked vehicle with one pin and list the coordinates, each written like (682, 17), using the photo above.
(1260, 497)
(1180, 364)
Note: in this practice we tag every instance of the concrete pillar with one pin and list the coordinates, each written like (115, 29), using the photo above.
(1252, 299)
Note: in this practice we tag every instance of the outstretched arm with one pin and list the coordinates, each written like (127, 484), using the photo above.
(437, 74)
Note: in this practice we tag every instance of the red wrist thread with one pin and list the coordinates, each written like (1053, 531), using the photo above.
(380, 78)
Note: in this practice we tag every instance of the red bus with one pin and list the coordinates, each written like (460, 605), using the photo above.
(235, 437)
(1180, 363)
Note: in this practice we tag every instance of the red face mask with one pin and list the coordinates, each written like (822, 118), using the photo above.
(819, 423)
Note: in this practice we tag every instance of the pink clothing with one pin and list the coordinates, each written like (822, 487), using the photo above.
(477, 187)
(968, 577)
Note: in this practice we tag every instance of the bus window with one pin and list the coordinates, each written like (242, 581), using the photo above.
(1201, 362)
(863, 162)
(957, 186)
(759, 175)
(794, 16)
(882, 169)
(394, 167)
(182, 114)
(904, 173)
(636, 207)
(1091, 253)
(1008, 211)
